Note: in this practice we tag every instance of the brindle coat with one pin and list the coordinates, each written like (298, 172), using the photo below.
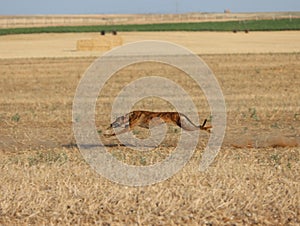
(143, 119)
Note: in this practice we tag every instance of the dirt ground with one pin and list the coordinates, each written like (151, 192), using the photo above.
(254, 179)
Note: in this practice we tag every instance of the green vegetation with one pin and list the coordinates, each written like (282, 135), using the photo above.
(253, 25)
(16, 117)
(253, 114)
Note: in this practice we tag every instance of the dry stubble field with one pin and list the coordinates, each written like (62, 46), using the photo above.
(254, 179)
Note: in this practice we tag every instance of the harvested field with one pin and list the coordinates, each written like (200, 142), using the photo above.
(254, 179)
(64, 45)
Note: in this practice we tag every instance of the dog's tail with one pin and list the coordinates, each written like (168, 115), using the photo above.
(206, 128)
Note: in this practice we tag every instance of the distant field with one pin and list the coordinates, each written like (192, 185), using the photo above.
(253, 25)
(64, 44)
(15, 21)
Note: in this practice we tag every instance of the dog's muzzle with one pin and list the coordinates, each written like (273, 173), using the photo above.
(115, 125)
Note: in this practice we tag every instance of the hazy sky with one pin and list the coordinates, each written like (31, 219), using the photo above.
(13, 7)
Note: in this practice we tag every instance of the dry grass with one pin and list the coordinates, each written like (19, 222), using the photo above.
(244, 186)
(45, 180)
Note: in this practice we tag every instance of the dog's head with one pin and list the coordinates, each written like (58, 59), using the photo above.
(118, 122)
(121, 121)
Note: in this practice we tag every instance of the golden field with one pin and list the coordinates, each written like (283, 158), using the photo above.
(255, 178)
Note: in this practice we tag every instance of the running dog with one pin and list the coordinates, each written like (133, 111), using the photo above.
(143, 119)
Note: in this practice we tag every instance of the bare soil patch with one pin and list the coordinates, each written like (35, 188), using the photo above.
(254, 179)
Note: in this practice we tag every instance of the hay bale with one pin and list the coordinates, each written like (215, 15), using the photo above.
(101, 43)
(84, 45)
